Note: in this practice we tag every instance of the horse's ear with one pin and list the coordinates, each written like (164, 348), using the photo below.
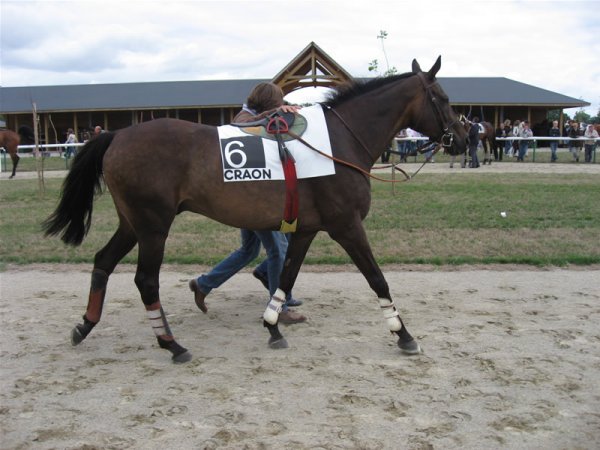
(435, 69)
(416, 68)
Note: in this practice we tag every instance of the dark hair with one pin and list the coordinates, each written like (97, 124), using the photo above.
(265, 96)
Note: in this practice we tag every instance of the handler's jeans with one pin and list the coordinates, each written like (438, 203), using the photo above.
(263, 267)
(240, 258)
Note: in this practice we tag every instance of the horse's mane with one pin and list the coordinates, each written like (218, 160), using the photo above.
(357, 87)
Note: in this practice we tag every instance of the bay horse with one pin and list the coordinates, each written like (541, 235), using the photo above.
(10, 141)
(487, 136)
(158, 169)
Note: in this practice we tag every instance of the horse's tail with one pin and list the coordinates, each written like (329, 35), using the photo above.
(73, 215)
(26, 134)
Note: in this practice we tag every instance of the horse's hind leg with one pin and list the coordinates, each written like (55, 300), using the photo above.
(104, 263)
(354, 240)
(487, 155)
(151, 252)
(15, 162)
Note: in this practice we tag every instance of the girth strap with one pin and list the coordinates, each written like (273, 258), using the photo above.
(277, 126)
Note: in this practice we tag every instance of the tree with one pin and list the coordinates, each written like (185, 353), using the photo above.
(374, 65)
(582, 116)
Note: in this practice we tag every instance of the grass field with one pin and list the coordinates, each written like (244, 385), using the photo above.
(542, 155)
(551, 219)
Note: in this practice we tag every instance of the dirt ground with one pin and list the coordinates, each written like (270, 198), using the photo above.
(511, 360)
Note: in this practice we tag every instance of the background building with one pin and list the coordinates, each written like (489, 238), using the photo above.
(215, 102)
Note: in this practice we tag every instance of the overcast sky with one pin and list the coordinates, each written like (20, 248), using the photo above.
(553, 45)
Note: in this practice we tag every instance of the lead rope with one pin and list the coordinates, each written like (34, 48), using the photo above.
(422, 149)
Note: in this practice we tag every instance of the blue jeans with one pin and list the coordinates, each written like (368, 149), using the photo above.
(240, 258)
(523, 146)
(553, 149)
(262, 268)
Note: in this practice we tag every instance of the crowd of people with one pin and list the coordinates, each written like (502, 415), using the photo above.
(70, 150)
(521, 129)
(585, 136)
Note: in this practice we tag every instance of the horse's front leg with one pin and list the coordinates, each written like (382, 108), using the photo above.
(297, 248)
(354, 240)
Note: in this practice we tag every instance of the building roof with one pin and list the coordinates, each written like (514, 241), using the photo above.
(311, 67)
(503, 91)
(126, 96)
(232, 93)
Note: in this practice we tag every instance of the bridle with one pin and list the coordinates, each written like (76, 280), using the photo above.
(447, 138)
(445, 141)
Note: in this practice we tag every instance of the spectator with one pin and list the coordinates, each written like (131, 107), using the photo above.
(264, 99)
(507, 131)
(554, 132)
(97, 130)
(71, 139)
(498, 145)
(516, 130)
(591, 134)
(474, 143)
(575, 146)
(524, 143)
(402, 145)
(413, 144)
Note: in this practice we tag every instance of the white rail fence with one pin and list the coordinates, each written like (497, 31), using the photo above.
(415, 140)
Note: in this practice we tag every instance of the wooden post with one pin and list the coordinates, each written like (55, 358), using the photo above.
(39, 163)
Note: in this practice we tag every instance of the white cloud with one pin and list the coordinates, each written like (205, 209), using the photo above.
(552, 45)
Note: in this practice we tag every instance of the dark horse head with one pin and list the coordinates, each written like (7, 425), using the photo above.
(381, 107)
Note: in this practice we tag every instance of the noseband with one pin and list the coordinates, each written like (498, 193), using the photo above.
(447, 137)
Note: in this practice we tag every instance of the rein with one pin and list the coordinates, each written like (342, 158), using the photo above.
(424, 148)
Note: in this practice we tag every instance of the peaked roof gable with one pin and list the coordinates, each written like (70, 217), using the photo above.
(311, 67)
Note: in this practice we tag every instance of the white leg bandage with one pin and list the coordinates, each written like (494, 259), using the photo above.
(390, 314)
(159, 322)
(271, 314)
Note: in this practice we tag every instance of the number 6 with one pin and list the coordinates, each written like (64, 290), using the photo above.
(232, 151)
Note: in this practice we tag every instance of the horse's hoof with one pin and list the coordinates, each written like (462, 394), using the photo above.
(410, 348)
(278, 343)
(182, 357)
(76, 337)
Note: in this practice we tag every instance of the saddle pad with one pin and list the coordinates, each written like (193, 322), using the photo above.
(251, 158)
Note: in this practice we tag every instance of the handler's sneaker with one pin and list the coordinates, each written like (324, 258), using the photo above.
(293, 302)
(290, 317)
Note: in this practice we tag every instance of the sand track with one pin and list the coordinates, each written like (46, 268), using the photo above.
(511, 360)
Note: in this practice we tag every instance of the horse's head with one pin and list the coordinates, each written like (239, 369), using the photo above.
(465, 121)
(436, 118)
